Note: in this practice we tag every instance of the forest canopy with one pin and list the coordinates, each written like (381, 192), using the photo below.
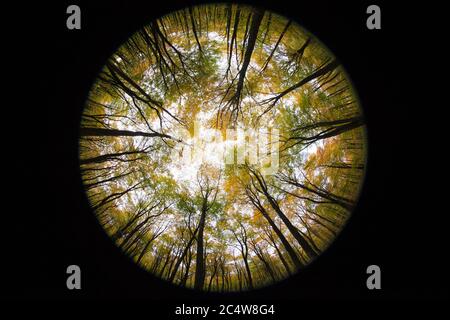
(222, 147)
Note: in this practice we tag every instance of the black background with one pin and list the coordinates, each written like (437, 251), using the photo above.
(395, 225)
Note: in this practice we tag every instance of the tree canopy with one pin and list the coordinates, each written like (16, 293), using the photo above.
(222, 147)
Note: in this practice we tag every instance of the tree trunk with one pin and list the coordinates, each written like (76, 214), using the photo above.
(102, 132)
(200, 263)
(289, 249)
(253, 33)
(322, 71)
(292, 229)
(276, 46)
(180, 259)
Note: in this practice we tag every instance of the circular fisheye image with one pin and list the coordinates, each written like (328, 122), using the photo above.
(222, 147)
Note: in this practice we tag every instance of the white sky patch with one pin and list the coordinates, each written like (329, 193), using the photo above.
(205, 147)
(214, 36)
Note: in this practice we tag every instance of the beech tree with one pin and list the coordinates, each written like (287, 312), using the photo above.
(189, 91)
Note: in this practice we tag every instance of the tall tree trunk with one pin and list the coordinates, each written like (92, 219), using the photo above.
(316, 74)
(299, 237)
(194, 29)
(333, 198)
(247, 269)
(102, 132)
(276, 46)
(280, 255)
(166, 261)
(253, 34)
(235, 100)
(328, 129)
(289, 249)
(266, 264)
(180, 259)
(114, 196)
(186, 272)
(200, 263)
(109, 156)
(97, 183)
(292, 229)
(212, 274)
